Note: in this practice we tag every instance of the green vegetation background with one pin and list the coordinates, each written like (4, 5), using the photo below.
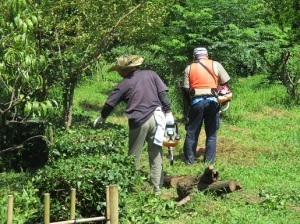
(258, 145)
(50, 48)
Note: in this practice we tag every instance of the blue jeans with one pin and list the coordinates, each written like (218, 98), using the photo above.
(206, 111)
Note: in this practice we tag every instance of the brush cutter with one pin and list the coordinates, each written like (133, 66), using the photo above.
(171, 139)
(224, 107)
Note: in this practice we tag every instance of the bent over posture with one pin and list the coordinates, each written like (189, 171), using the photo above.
(201, 80)
(148, 110)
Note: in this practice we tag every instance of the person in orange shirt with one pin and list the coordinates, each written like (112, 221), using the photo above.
(202, 79)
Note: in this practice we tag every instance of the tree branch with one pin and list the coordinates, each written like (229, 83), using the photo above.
(21, 145)
(103, 42)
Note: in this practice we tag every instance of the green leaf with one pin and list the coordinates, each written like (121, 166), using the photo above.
(24, 27)
(44, 108)
(35, 106)
(28, 108)
(29, 23)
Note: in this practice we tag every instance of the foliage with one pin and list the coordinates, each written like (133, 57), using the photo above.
(87, 141)
(49, 48)
(74, 39)
(65, 38)
(21, 64)
(23, 145)
(26, 204)
(247, 151)
(90, 176)
(95, 158)
(241, 41)
(289, 72)
(154, 209)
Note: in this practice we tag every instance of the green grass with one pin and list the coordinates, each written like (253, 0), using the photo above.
(258, 145)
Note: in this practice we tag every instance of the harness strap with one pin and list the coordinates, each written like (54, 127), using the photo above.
(213, 75)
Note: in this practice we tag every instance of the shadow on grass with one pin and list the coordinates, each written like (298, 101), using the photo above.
(107, 126)
(88, 106)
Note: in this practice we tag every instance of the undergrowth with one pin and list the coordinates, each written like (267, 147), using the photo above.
(258, 144)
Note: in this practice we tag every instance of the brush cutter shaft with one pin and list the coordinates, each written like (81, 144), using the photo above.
(226, 106)
(171, 155)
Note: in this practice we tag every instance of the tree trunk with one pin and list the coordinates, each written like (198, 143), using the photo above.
(68, 99)
(221, 187)
(171, 181)
(187, 185)
(210, 175)
(71, 101)
(209, 180)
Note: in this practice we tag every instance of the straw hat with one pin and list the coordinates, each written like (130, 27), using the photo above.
(126, 61)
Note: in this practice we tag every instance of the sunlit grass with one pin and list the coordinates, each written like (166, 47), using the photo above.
(258, 145)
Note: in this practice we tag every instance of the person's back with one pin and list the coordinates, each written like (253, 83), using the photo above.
(139, 90)
(148, 110)
(201, 80)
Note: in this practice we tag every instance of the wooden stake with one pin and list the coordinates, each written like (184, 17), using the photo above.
(107, 206)
(47, 208)
(73, 199)
(113, 201)
(10, 209)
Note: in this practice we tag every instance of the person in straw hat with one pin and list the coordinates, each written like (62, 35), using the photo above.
(148, 109)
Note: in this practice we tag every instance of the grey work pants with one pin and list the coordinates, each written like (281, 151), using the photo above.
(137, 138)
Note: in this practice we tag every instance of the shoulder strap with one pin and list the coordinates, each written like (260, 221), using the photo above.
(213, 75)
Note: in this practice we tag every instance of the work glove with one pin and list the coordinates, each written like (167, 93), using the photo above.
(169, 118)
(98, 120)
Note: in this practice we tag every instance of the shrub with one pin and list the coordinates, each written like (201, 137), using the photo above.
(88, 160)
(89, 175)
(110, 138)
(26, 144)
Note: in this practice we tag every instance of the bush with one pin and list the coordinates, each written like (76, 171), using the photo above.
(28, 148)
(89, 175)
(87, 160)
(26, 204)
(82, 140)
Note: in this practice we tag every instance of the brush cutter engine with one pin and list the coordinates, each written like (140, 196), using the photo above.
(171, 139)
